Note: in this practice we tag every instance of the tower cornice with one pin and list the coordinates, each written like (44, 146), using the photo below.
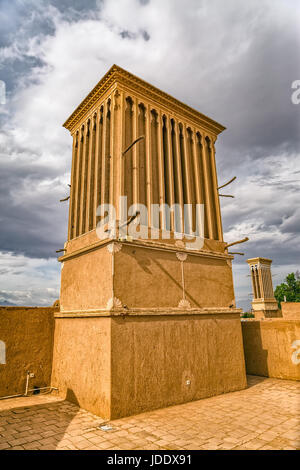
(118, 75)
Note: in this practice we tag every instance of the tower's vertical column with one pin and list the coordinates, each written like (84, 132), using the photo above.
(215, 190)
(257, 280)
(262, 280)
(202, 187)
(135, 154)
(73, 186)
(128, 156)
(208, 201)
(93, 172)
(116, 151)
(190, 154)
(198, 184)
(78, 183)
(98, 164)
(141, 151)
(178, 178)
(123, 147)
(84, 169)
(170, 171)
(90, 176)
(105, 154)
(269, 282)
(161, 174)
(187, 176)
(154, 169)
(255, 294)
(148, 141)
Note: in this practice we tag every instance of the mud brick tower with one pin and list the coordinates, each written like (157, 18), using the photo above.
(145, 322)
(264, 303)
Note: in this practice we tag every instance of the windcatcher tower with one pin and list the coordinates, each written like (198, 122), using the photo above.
(264, 303)
(145, 321)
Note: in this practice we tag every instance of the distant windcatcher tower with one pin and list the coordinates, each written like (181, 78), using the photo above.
(145, 321)
(264, 303)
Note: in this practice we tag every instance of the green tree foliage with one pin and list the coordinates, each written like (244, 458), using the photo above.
(289, 289)
(247, 315)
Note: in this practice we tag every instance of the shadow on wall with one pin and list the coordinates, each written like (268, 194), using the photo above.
(71, 397)
(253, 380)
(256, 357)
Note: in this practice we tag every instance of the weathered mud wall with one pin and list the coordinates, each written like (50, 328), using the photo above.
(26, 336)
(290, 310)
(272, 348)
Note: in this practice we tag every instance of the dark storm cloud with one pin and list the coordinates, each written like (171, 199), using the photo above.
(10, 72)
(255, 102)
(75, 7)
(16, 15)
(281, 252)
(273, 226)
(26, 19)
(35, 225)
(145, 35)
(22, 19)
(130, 35)
(292, 224)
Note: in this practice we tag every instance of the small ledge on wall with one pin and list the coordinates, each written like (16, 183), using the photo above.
(121, 311)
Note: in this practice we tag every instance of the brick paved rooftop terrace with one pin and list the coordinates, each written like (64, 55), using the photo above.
(264, 416)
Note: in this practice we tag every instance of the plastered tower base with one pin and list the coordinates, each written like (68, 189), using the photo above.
(148, 336)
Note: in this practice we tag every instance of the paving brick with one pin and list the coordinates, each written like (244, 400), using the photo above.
(17, 442)
(4, 445)
(83, 444)
(264, 416)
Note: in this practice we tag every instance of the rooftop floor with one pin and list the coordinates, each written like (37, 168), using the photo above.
(266, 415)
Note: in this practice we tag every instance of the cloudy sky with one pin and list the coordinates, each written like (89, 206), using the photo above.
(232, 60)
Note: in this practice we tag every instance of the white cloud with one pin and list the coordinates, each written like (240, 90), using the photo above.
(28, 281)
